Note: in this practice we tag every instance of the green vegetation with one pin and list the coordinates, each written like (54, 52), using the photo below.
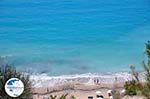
(7, 72)
(134, 86)
(61, 97)
(73, 97)
(131, 87)
(147, 67)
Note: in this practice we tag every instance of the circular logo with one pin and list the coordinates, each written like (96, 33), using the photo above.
(14, 87)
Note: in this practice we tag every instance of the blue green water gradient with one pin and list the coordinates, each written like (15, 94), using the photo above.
(74, 36)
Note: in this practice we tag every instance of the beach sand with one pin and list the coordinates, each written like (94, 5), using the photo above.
(79, 86)
(78, 90)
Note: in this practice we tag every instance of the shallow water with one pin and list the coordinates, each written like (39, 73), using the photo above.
(74, 36)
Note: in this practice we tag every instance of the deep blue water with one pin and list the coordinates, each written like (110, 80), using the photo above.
(74, 36)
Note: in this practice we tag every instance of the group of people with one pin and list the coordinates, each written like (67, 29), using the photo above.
(109, 93)
(99, 96)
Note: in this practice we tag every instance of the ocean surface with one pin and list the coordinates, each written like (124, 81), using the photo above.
(63, 37)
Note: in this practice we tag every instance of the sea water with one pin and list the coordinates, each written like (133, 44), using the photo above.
(63, 37)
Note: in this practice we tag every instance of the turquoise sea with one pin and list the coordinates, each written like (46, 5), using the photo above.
(61, 37)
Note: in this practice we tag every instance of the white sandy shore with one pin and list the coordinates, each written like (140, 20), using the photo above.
(44, 80)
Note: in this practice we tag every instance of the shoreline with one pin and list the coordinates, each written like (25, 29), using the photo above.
(44, 80)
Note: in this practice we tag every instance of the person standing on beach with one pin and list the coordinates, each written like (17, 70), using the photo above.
(96, 81)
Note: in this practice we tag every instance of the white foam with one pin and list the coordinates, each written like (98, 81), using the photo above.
(43, 80)
(5, 56)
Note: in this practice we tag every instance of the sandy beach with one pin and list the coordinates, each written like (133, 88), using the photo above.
(80, 86)
(79, 91)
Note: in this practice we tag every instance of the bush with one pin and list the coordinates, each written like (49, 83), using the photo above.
(61, 97)
(73, 97)
(134, 86)
(147, 66)
(146, 90)
(7, 72)
(131, 88)
(146, 87)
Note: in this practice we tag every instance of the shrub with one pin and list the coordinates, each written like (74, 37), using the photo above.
(73, 97)
(7, 72)
(147, 66)
(64, 96)
(131, 88)
(146, 87)
(134, 86)
(146, 90)
(52, 97)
